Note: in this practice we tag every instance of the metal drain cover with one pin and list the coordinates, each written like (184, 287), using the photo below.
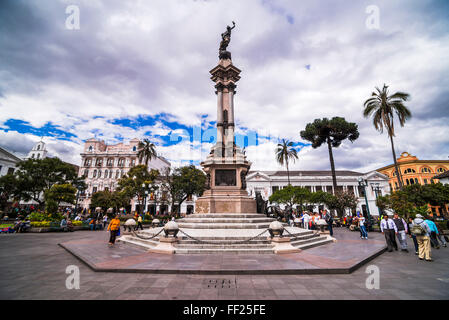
(220, 283)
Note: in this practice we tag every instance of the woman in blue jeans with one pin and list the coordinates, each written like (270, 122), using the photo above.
(362, 227)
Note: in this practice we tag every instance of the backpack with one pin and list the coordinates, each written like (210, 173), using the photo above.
(417, 230)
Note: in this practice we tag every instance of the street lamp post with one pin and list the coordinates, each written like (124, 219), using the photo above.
(79, 189)
(363, 183)
(376, 188)
(146, 188)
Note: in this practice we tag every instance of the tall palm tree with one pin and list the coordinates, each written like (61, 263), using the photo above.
(285, 152)
(383, 107)
(146, 151)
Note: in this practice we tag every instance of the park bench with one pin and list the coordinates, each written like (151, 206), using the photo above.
(56, 226)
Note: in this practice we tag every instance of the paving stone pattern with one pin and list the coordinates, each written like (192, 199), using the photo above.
(33, 267)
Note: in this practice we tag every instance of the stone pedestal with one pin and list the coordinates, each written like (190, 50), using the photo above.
(283, 245)
(165, 245)
(226, 166)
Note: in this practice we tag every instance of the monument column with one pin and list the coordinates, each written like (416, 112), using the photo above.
(226, 166)
(230, 131)
(220, 133)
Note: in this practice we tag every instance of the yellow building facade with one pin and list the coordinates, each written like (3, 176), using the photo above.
(415, 171)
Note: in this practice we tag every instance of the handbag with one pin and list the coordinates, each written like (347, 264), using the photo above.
(118, 232)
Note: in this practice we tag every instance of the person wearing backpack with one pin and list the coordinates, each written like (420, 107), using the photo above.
(422, 232)
(329, 220)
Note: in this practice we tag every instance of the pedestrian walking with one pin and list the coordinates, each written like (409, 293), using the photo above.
(389, 229)
(306, 220)
(422, 232)
(433, 233)
(139, 223)
(105, 221)
(415, 242)
(329, 220)
(362, 228)
(114, 229)
(440, 235)
(92, 224)
(401, 225)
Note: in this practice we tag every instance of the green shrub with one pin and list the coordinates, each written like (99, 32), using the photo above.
(77, 223)
(38, 216)
(40, 224)
(51, 206)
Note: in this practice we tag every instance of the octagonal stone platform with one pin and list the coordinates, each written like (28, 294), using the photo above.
(341, 257)
(227, 233)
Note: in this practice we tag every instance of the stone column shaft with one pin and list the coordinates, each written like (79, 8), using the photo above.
(231, 106)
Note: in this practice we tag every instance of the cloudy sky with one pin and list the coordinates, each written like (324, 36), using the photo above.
(141, 69)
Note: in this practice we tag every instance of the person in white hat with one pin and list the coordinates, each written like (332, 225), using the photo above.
(422, 232)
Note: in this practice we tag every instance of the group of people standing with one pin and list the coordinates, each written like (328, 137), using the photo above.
(423, 231)
(309, 220)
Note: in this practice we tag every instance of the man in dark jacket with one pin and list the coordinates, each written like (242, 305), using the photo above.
(402, 231)
(329, 220)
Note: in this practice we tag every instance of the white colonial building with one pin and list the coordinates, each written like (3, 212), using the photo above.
(103, 165)
(8, 162)
(267, 182)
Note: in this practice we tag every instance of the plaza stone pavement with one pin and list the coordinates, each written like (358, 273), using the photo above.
(33, 267)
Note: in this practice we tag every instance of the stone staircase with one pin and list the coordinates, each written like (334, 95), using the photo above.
(226, 233)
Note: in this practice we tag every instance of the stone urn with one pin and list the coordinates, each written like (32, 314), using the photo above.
(321, 223)
(276, 229)
(130, 224)
(171, 229)
(297, 222)
(155, 222)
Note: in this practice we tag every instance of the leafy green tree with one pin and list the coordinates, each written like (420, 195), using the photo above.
(8, 189)
(35, 176)
(134, 183)
(437, 194)
(332, 132)
(285, 152)
(101, 199)
(383, 202)
(291, 196)
(108, 199)
(342, 200)
(185, 182)
(321, 197)
(286, 196)
(398, 201)
(146, 151)
(61, 193)
(302, 196)
(382, 107)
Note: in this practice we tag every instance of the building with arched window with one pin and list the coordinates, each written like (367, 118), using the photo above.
(109, 163)
(415, 171)
(39, 151)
